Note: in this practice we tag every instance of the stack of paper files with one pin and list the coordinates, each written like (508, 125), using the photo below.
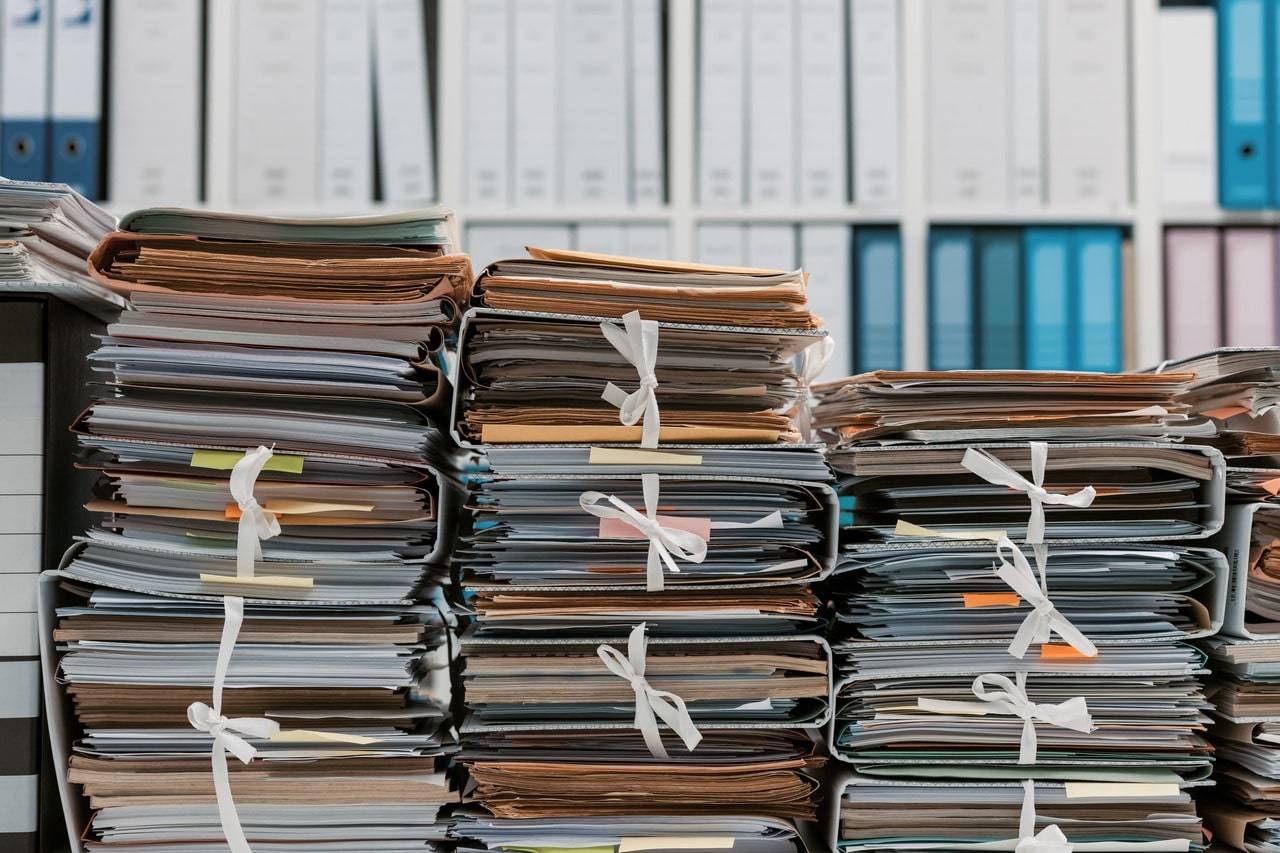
(1001, 615)
(642, 663)
(46, 233)
(279, 500)
(721, 351)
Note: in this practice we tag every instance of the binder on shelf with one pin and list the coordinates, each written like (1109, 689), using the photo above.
(878, 284)
(876, 107)
(154, 142)
(406, 150)
(951, 299)
(1098, 299)
(722, 107)
(1244, 137)
(487, 101)
(75, 95)
(1046, 257)
(1188, 105)
(277, 107)
(648, 174)
(346, 105)
(488, 243)
(24, 85)
(771, 119)
(1087, 105)
(1248, 287)
(646, 240)
(1192, 283)
(771, 246)
(722, 245)
(822, 176)
(605, 238)
(999, 304)
(826, 254)
(1026, 105)
(535, 101)
(595, 142)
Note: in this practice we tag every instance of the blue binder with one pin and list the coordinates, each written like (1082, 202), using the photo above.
(24, 131)
(951, 326)
(1046, 254)
(1098, 299)
(75, 104)
(878, 287)
(999, 299)
(1244, 133)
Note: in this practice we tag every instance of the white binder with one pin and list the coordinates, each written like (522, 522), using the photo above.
(771, 115)
(346, 108)
(877, 111)
(605, 238)
(595, 140)
(771, 246)
(487, 102)
(535, 101)
(822, 129)
(722, 245)
(1026, 64)
(648, 172)
(405, 141)
(722, 50)
(1188, 105)
(826, 254)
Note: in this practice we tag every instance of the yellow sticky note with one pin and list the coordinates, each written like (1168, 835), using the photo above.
(1121, 790)
(259, 580)
(991, 599)
(677, 842)
(906, 528)
(225, 460)
(304, 736)
(634, 456)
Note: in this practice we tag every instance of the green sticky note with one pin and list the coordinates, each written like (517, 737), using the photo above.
(225, 460)
(607, 848)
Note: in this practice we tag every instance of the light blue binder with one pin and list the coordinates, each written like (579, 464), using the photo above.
(951, 299)
(1099, 299)
(1244, 135)
(1046, 254)
(878, 285)
(999, 299)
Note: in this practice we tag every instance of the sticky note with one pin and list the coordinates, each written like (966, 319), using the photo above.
(991, 599)
(1272, 486)
(1061, 651)
(676, 842)
(633, 456)
(1121, 790)
(259, 580)
(225, 460)
(304, 736)
(1224, 412)
(616, 528)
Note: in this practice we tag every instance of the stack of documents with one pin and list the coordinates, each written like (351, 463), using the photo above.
(1003, 615)
(643, 667)
(46, 233)
(279, 501)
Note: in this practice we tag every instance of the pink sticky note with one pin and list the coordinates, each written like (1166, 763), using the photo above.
(616, 528)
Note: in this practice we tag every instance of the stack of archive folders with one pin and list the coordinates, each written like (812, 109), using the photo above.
(1239, 388)
(1022, 566)
(266, 581)
(643, 668)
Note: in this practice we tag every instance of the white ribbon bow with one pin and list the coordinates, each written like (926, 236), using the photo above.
(1044, 618)
(1050, 839)
(650, 701)
(1012, 699)
(664, 542)
(813, 360)
(256, 522)
(639, 346)
(994, 471)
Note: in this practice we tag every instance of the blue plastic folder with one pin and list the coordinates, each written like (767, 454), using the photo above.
(1245, 155)
(878, 284)
(1047, 265)
(1098, 299)
(951, 299)
(999, 299)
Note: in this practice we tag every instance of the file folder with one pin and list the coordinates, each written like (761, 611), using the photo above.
(1046, 256)
(1099, 309)
(951, 300)
(878, 316)
(1244, 137)
(75, 97)
(24, 58)
(999, 326)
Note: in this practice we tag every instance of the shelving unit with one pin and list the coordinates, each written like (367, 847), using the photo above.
(1144, 217)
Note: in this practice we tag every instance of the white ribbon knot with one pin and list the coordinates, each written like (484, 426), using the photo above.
(665, 543)
(813, 360)
(650, 702)
(1011, 699)
(1044, 618)
(639, 346)
(256, 522)
(227, 732)
(996, 472)
(1050, 839)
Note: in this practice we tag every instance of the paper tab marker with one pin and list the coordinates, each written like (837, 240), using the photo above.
(1061, 651)
(225, 460)
(633, 456)
(992, 599)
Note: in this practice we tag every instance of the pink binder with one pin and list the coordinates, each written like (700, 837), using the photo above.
(1249, 287)
(1192, 272)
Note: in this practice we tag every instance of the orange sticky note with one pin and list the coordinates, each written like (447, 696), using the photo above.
(233, 512)
(1061, 651)
(1272, 486)
(1224, 412)
(991, 599)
